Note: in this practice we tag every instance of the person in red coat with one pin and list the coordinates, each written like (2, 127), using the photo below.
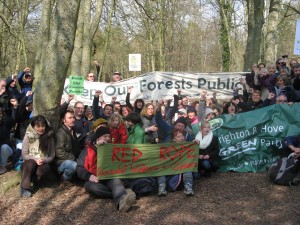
(117, 129)
(87, 171)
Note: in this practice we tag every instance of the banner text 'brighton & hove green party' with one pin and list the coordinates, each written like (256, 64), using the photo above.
(252, 140)
(145, 160)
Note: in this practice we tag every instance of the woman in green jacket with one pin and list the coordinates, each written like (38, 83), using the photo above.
(136, 134)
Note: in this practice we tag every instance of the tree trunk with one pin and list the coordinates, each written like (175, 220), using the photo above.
(255, 10)
(76, 58)
(225, 20)
(55, 58)
(89, 30)
(161, 34)
(107, 39)
(21, 49)
(272, 33)
(87, 41)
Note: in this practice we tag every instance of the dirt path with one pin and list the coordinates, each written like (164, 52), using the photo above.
(226, 198)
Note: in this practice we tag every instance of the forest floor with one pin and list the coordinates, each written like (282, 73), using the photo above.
(225, 198)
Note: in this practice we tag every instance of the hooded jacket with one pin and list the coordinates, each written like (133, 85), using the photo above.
(13, 92)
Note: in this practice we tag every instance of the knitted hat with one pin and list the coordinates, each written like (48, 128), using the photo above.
(180, 120)
(98, 122)
(9, 80)
(101, 131)
(208, 111)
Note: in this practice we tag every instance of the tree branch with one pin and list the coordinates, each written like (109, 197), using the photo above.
(145, 11)
(292, 8)
(9, 28)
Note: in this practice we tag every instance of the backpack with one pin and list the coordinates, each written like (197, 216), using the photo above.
(142, 186)
(285, 171)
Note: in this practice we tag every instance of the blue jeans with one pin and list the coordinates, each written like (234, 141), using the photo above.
(187, 178)
(68, 169)
(6, 152)
(205, 165)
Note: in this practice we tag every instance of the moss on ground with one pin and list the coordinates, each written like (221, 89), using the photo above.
(8, 181)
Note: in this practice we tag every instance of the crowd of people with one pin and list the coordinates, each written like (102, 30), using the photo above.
(71, 151)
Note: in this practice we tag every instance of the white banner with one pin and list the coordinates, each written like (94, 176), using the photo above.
(135, 62)
(297, 38)
(158, 85)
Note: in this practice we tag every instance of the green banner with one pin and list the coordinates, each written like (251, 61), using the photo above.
(145, 160)
(253, 140)
(76, 85)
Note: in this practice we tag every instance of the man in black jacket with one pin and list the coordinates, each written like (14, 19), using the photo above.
(67, 147)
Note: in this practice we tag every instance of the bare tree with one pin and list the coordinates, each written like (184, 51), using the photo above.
(55, 49)
(255, 22)
(271, 40)
(85, 32)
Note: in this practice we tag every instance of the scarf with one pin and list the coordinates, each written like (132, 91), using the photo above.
(205, 141)
(34, 143)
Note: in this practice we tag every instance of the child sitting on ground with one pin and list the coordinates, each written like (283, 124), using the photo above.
(177, 136)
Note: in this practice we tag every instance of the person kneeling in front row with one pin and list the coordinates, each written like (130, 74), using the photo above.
(86, 170)
(38, 152)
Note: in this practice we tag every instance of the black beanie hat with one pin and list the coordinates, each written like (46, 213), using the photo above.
(101, 131)
(180, 120)
(9, 80)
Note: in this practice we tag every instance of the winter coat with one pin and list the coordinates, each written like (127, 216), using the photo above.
(23, 84)
(136, 135)
(212, 149)
(30, 147)
(67, 146)
(22, 116)
(5, 127)
(119, 135)
(148, 122)
(87, 162)
(13, 92)
(5, 104)
(167, 129)
(133, 108)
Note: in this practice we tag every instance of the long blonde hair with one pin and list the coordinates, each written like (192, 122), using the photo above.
(112, 118)
(144, 110)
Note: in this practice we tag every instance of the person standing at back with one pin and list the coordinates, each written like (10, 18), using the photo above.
(25, 80)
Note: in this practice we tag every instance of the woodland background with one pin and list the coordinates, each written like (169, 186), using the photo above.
(188, 35)
(59, 38)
